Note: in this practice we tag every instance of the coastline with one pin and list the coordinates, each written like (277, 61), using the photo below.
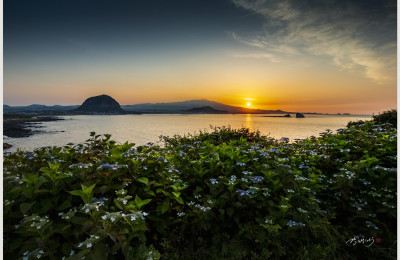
(18, 126)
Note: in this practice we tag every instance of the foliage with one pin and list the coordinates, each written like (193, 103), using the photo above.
(218, 136)
(386, 117)
(228, 194)
(389, 116)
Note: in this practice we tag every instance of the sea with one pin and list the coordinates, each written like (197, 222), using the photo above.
(142, 129)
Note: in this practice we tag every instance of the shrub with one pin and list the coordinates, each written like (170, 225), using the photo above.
(228, 194)
(389, 116)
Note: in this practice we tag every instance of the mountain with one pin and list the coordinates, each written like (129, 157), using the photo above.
(204, 110)
(178, 107)
(37, 108)
(102, 104)
(112, 107)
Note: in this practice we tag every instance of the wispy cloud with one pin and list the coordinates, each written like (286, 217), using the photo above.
(357, 38)
(258, 55)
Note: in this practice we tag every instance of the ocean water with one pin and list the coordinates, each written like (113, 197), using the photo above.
(141, 129)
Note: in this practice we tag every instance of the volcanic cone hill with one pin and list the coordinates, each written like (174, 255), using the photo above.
(102, 104)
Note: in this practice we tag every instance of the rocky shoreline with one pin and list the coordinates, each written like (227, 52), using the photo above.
(17, 126)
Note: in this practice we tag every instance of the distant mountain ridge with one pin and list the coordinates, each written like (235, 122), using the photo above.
(153, 108)
(176, 107)
(205, 110)
(37, 107)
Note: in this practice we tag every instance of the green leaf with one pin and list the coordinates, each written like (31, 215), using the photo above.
(176, 194)
(118, 204)
(143, 180)
(86, 193)
(87, 190)
(150, 192)
(76, 192)
(66, 248)
(166, 193)
(180, 200)
(25, 207)
(164, 206)
(99, 252)
(40, 181)
(140, 203)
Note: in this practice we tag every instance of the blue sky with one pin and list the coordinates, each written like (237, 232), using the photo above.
(322, 56)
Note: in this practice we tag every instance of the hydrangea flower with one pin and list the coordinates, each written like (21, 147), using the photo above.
(301, 166)
(232, 180)
(256, 179)
(245, 192)
(213, 181)
(162, 159)
(202, 208)
(268, 221)
(274, 150)
(107, 166)
(292, 223)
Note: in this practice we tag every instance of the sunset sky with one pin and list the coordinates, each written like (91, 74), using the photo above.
(294, 55)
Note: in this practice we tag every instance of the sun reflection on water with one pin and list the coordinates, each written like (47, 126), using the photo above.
(248, 122)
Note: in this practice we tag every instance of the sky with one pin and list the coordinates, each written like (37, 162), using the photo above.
(331, 56)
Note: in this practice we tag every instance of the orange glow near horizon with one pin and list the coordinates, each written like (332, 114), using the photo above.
(242, 85)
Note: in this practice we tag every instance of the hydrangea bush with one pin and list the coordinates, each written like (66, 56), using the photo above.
(228, 194)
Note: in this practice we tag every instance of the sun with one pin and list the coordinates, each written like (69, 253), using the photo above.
(248, 104)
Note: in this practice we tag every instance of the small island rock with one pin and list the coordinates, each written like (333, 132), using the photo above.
(102, 104)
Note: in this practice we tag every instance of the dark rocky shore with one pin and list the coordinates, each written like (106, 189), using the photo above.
(17, 125)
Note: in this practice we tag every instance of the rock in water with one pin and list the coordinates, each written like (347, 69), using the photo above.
(100, 105)
(299, 115)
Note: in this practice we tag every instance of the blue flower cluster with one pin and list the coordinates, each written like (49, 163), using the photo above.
(202, 208)
(256, 179)
(108, 166)
(245, 192)
(292, 223)
(232, 179)
(213, 181)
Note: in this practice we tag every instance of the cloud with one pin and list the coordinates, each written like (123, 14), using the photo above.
(260, 55)
(358, 37)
